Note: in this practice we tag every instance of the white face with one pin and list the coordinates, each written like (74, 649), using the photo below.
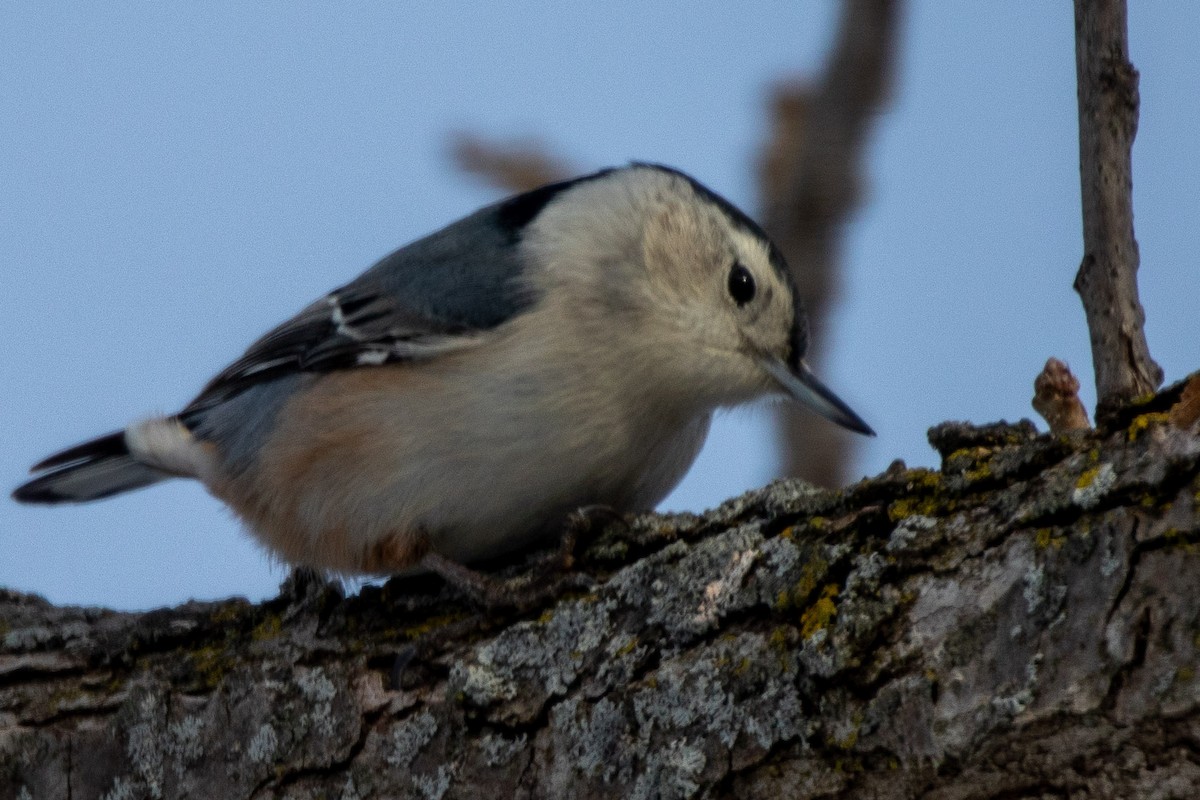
(716, 290)
(660, 281)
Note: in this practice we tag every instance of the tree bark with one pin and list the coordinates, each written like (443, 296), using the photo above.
(1107, 277)
(1021, 623)
(810, 178)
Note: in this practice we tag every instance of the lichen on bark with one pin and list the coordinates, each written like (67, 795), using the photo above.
(1020, 622)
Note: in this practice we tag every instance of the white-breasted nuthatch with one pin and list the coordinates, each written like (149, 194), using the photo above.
(562, 348)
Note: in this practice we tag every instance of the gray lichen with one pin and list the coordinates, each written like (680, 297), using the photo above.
(910, 635)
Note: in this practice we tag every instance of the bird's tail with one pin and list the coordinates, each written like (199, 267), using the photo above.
(145, 453)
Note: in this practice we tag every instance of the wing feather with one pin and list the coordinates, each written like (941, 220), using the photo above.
(348, 328)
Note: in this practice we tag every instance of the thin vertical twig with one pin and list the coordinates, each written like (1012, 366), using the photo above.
(1107, 277)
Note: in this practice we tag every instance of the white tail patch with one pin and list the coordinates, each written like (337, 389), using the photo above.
(167, 445)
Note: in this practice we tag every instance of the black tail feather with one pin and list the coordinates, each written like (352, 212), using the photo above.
(89, 471)
(108, 446)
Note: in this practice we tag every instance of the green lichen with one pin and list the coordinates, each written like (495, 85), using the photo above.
(821, 613)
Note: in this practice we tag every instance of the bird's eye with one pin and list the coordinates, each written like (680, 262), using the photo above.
(741, 285)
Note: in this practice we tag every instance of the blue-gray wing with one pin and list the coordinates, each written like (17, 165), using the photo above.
(436, 295)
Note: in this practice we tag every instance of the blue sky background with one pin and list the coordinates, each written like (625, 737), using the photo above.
(177, 178)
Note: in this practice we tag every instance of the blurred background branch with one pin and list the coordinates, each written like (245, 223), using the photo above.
(512, 166)
(811, 177)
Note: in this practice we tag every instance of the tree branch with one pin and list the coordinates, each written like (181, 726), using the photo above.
(511, 166)
(1107, 277)
(1020, 623)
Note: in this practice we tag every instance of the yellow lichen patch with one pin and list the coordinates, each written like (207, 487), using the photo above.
(984, 470)
(780, 644)
(922, 479)
(787, 533)
(966, 460)
(847, 765)
(848, 741)
(627, 648)
(1045, 538)
(1142, 422)
(819, 615)
(811, 574)
(1180, 540)
(431, 624)
(269, 628)
(912, 506)
(211, 663)
(1185, 674)
(1086, 477)
(228, 612)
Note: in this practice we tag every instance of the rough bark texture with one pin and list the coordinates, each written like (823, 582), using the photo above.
(1022, 623)
(1107, 277)
(810, 178)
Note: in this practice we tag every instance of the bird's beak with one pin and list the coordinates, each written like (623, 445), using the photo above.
(799, 382)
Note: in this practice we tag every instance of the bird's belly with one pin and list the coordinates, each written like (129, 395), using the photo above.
(373, 467)
(528, 496)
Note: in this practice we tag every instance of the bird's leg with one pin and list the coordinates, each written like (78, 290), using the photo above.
(583, 523)
(549, 576)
